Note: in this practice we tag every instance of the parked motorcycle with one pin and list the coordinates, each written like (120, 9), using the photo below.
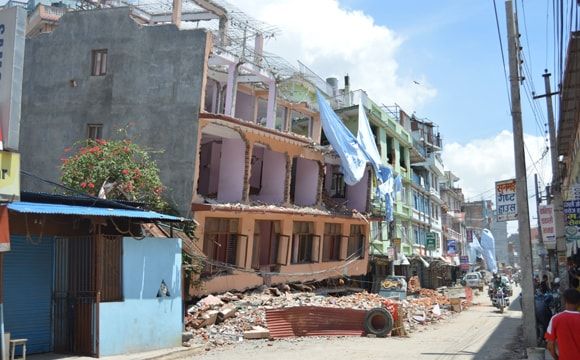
(500, 300)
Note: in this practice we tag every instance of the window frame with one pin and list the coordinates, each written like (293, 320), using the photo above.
(99, 62)
(302, 116)
(331, 241)
(98, 128)
(302, 242)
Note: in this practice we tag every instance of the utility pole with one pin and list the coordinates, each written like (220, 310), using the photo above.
(540, 231)
(556, 189)
(521, 182)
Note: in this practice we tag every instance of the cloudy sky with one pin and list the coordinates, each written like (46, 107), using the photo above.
(439, 59)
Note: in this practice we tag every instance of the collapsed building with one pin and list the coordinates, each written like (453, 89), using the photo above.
(234, 130)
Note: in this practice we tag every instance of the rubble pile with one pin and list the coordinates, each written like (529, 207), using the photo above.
(232, 317)
(434, 296)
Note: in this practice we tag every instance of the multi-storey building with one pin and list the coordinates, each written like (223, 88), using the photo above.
(236, 135)
(453, 218)
(394, 145)
(478, 216)
(426, 169)
(569, 139)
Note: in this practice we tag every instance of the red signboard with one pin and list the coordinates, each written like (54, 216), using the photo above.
(464, 263)
(4, 231)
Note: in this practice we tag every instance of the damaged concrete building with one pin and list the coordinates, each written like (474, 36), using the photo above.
(235, 132)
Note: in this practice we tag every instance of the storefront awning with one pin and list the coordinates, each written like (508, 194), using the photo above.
(59, 209)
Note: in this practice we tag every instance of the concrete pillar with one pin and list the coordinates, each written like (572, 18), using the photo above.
(271, 107)
(247, 171)
(244, 251)
(223, 30)
(258, 48)
(321, 178)
(289, 164)
(231, 90)
(408, 161)
(176, 13)
(285, 247)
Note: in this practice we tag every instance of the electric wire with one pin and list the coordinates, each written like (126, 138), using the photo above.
(502, 55)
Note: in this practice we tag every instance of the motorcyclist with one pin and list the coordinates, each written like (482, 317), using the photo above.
(497, 283)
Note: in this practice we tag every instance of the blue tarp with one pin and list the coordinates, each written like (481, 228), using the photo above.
(354, 153)
(58, 209)
(353, 159)
(488, 245)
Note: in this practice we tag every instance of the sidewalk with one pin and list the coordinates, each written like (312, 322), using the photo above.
(162, 354)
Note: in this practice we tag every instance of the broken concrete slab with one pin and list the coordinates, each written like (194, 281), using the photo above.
(226, 312)
(257, 332)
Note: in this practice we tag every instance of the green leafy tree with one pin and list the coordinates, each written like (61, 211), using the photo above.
(115, 169)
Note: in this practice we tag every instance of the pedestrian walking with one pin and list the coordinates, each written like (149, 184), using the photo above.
(562, 336)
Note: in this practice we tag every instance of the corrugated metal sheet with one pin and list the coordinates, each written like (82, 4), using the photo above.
(315, 321)
(28, 279)
(58, 209)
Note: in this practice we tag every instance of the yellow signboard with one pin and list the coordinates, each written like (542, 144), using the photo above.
(9, 176)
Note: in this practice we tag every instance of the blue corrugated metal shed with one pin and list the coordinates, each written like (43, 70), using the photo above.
(58, 209)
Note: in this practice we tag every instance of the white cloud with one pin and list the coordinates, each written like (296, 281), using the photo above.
(334, 41)
(482, 162)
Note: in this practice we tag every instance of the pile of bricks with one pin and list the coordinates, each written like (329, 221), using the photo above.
(234, 317)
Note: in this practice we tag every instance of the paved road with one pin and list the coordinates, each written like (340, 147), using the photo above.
(480, 333)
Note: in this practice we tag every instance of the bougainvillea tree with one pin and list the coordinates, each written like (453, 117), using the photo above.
(115, 169)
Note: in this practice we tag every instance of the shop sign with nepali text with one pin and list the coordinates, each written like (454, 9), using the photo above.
(506, 200)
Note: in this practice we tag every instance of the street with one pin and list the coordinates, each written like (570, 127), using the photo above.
(478, 333)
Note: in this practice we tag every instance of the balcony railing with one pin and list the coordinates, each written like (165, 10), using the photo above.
(452, 234)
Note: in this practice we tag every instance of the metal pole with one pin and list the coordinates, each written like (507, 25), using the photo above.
(556, 190)
(541, 238)
(529, 318)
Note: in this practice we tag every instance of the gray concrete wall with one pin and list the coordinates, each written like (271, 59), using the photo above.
(153, 87)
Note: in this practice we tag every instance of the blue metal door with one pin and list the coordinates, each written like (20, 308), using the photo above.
(28, 278)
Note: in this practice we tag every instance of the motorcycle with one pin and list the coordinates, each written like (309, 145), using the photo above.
(500, 300)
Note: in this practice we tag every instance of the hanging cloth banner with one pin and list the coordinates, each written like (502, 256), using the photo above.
(488, 245)
(352, 158)
(367, 142)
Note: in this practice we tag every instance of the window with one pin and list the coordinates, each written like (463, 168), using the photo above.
(338, 187)
(301, 124)
(281, 112)
(262, 113)
(94, 131)
(221, 239)
(356, 242)
(331, 245)
(302, 242)
(99, 63)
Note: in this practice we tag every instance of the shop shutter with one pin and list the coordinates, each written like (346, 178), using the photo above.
(28, 277)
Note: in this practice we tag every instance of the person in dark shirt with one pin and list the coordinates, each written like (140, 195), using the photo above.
(545, 285)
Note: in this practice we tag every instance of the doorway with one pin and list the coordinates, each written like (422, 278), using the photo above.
(75, 299)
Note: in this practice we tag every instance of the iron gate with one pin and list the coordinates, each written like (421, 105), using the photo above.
(75, 298)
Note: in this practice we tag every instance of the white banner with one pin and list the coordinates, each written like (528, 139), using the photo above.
(548, 224)
(505, 200)
(12, 34)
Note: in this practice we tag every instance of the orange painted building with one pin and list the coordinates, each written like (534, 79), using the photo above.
(271, 203)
